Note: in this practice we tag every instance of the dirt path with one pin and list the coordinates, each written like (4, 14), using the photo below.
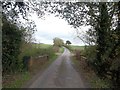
(60, 74)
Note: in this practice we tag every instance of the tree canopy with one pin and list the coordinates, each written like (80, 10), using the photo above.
(58, 42)
(68, 42)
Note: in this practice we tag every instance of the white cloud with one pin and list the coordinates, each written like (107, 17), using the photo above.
(51, 27)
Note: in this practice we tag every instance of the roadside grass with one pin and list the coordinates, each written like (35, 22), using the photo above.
(96, 82)
(18, 79)
(87, 72)
(61, 50)
(89, 75)
(42, 45)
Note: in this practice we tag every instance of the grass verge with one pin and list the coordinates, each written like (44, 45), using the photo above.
(89, 75)
(16, 80)
(61, 50)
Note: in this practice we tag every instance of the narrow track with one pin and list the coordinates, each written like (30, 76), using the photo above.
(60, 74)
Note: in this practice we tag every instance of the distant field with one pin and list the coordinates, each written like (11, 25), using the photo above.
(43, 45)
(36, 49)
(77, 47)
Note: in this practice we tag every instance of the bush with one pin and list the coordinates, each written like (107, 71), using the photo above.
(32, 50)
(11, 41)
(90, 53)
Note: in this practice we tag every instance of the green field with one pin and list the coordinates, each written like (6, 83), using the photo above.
(42, 45)
(36, 49)
(73, 47)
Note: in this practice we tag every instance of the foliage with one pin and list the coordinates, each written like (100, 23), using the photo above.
(90, 53)
(17, 13)
(68, 42)
(14, 33)
(18, 81)
(9, 8)
(11, 41)
(105, 42)
(58, 42)
(34, 50)
(37, 50)
(61, 50)
(90, 76)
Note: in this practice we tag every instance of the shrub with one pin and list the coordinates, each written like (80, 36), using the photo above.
(11, 41)
(90, 53)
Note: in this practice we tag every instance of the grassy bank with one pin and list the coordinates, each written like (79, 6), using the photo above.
(85, 70)
(16, 80)
(61, 50)
(89, 75)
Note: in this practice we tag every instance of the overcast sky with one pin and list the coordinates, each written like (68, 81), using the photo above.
(51, 27)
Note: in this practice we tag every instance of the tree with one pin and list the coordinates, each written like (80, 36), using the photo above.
(14, 32)
(11, 40)
(58, 42)
(15, 10)
(68, 42)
